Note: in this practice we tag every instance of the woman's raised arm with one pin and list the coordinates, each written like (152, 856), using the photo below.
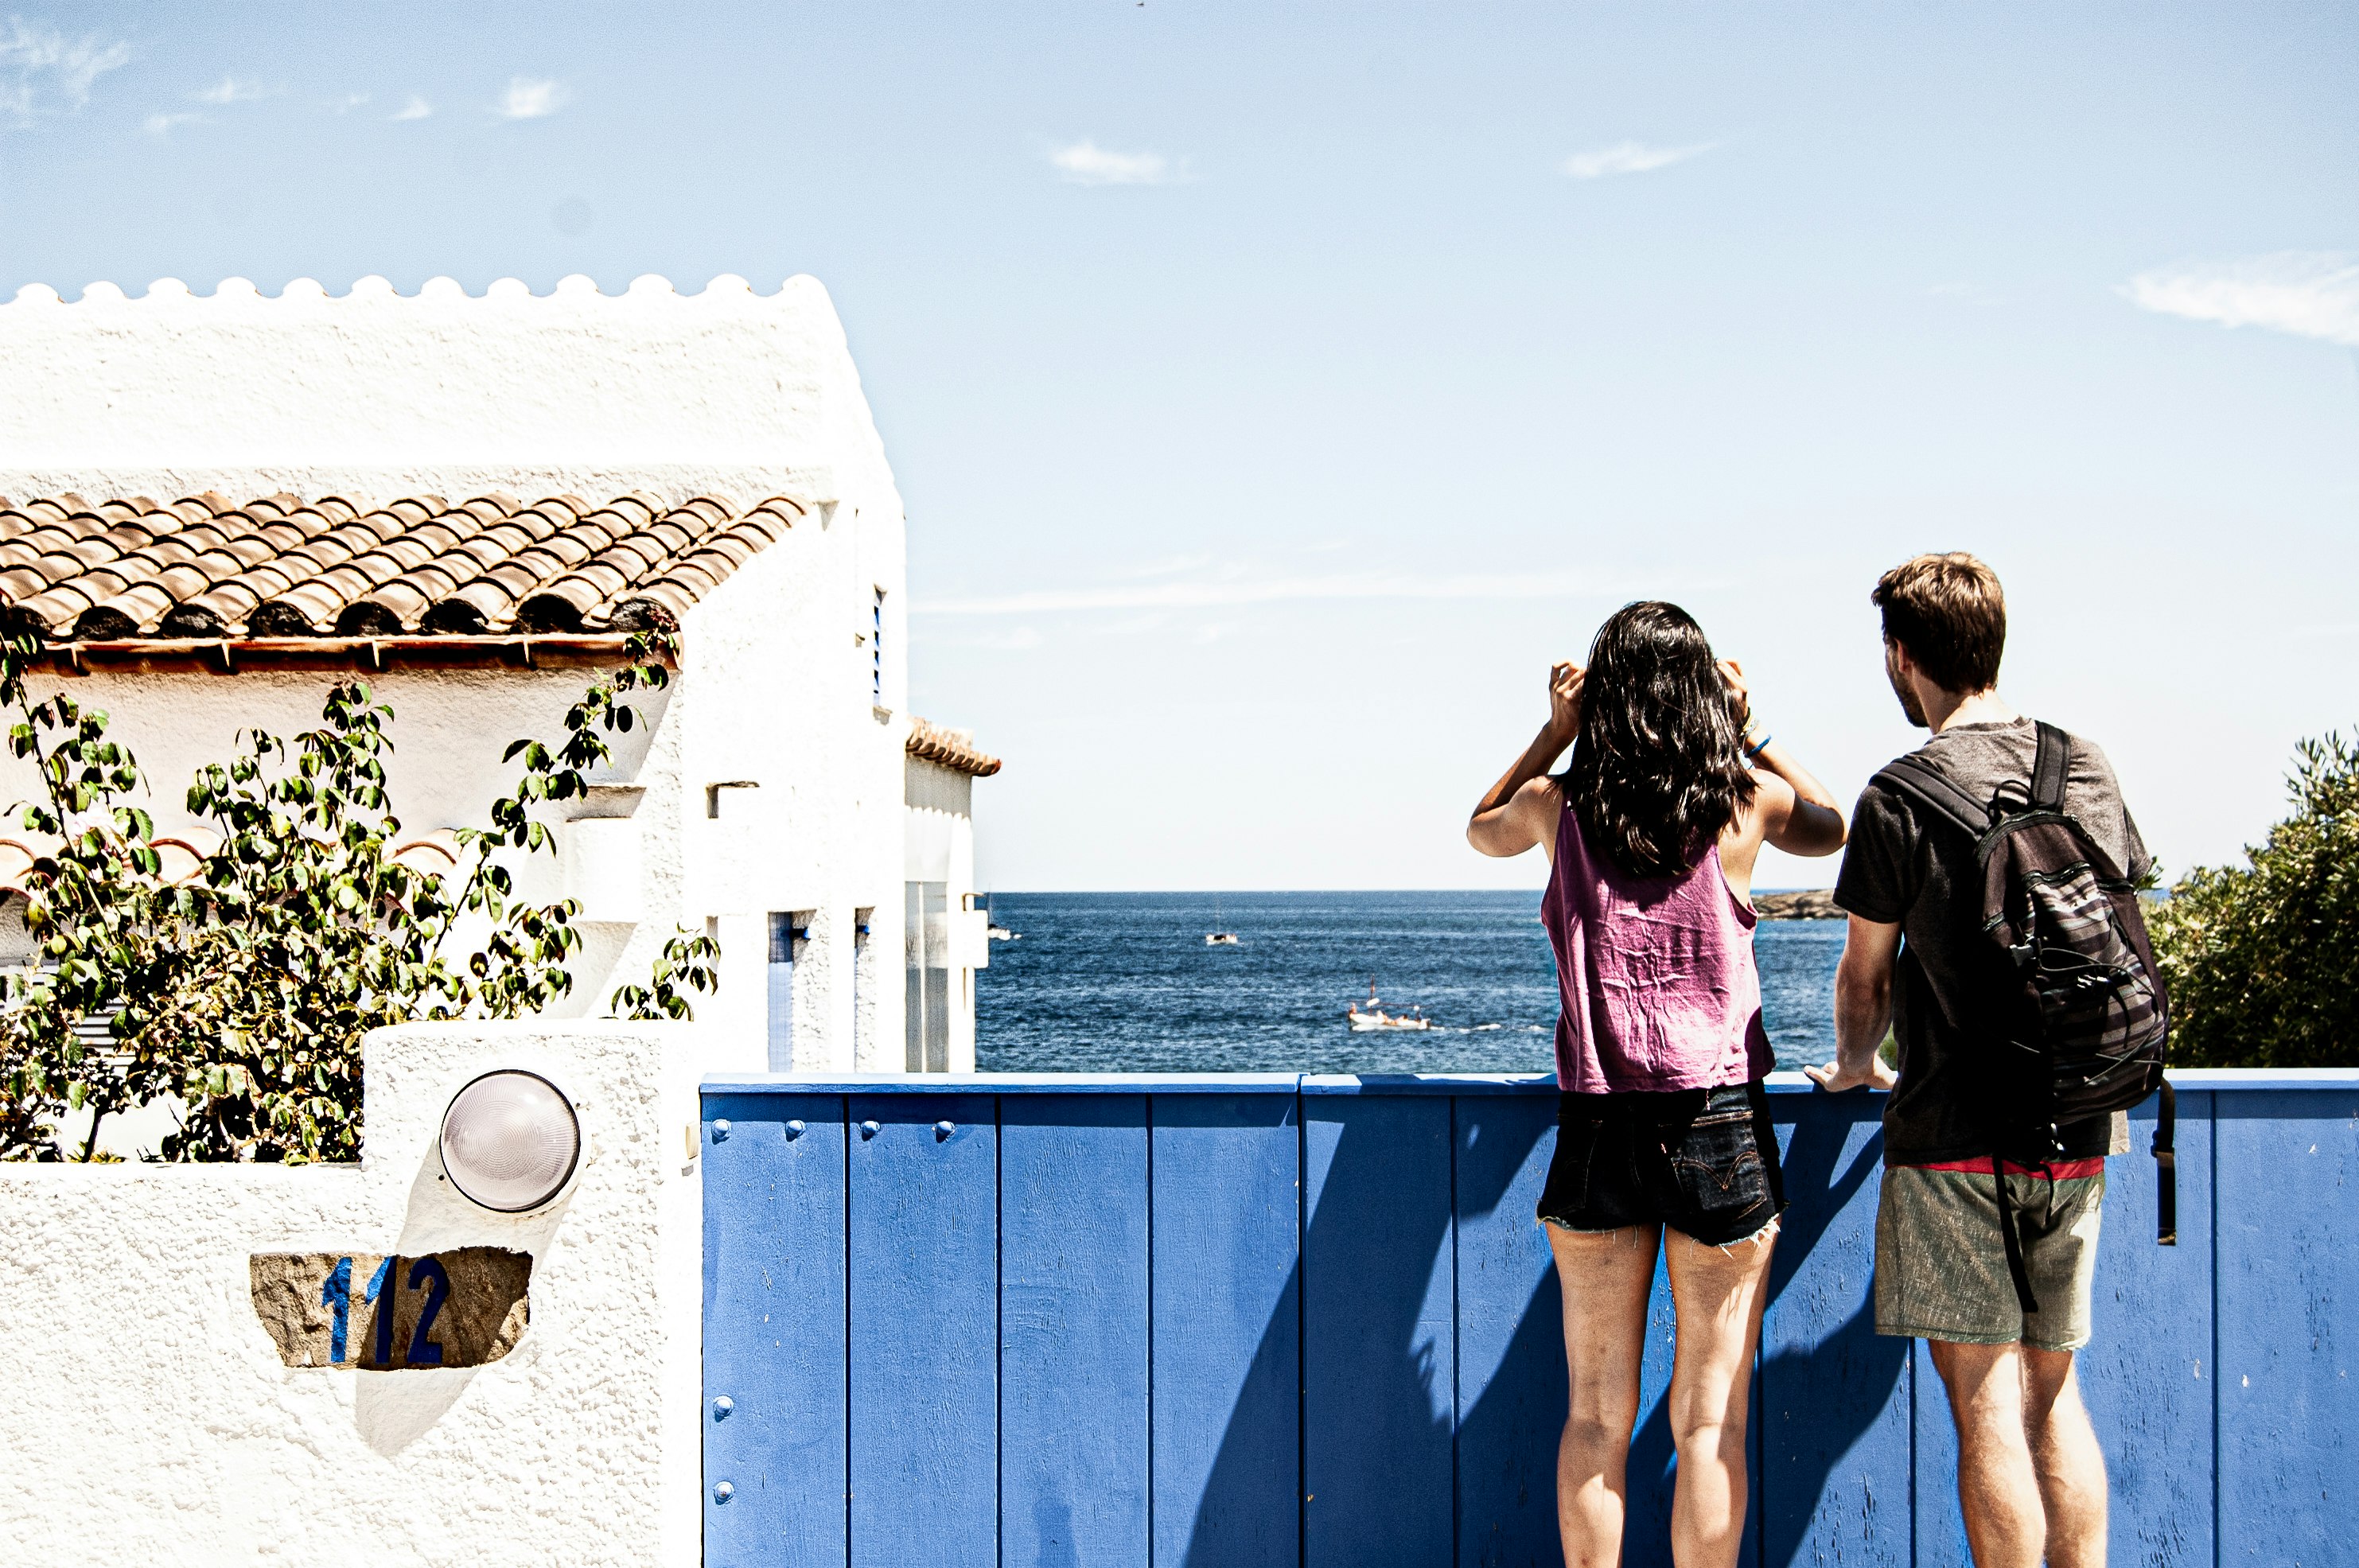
(1510, 818)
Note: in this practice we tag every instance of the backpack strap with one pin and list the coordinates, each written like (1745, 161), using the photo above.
(2050, 768)
(2166, 1169)
(1931, 787)
(2015, 1268)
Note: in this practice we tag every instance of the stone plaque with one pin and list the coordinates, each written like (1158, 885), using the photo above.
(460, 1308)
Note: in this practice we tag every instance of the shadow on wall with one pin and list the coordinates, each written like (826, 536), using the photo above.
(394, 1410)
(1379, 1442)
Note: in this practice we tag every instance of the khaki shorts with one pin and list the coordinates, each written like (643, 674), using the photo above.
(1940, 1262)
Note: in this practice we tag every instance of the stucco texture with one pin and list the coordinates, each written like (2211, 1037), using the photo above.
(148, 1417)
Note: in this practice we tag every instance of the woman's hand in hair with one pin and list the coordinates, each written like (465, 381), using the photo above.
(1740, 695)
(1564, 700)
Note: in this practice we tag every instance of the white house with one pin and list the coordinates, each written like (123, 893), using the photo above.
(215, 504)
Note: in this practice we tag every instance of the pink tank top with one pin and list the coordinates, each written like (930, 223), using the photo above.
(1657, 975)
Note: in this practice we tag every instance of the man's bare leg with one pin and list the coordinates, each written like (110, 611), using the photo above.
(2064, 1453)
(1717, 1293)
(1606, 1275)
(1998, 1489)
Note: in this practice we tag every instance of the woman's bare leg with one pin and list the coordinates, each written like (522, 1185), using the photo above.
(1717, 1293)
(1606, 1275)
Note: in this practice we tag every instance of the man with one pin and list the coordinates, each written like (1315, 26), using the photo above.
(2031, 1478)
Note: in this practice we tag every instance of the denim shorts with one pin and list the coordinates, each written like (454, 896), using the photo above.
(1702, 1161)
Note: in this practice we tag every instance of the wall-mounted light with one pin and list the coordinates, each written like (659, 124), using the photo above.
(510, 1140)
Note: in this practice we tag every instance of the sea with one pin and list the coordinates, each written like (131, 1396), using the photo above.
(1125, 982)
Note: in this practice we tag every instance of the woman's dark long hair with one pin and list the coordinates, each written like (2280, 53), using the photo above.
(1660, 767)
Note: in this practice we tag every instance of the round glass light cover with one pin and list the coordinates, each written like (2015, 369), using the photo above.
(510, 1140)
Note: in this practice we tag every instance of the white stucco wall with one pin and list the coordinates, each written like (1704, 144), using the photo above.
(372, 396)
(148, 1415)
(377, 394)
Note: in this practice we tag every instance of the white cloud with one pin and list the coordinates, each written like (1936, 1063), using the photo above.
(1266, 591)
(417, 108)
(531, 98)
(1628, 158)
(349, 101)
(229, 90)
(2311, 294)
(160, 125)
(1086, 163)
(41, 68)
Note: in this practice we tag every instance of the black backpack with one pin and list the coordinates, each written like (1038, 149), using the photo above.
(2077, 1012)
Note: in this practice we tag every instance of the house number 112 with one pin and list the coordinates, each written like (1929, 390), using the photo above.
(336, 1295)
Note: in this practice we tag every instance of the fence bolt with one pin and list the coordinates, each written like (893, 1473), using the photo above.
(943, 1129)
(723, 1491)
(870, 1129)
(794, 1130)
(720, 1129)
(721, 1406)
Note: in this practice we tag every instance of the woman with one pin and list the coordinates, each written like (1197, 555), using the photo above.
(1661, 1125)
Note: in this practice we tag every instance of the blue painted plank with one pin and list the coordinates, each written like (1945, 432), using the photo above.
(1834, 1407)
(1280, 1083)
(1378, 1347)
(1457, 1086)
(2147, 1376)
(1228, 1319)
(1073, 1330)
(774, 1331)
(2287, 1174)
(1511, 1374)
(924, 1214)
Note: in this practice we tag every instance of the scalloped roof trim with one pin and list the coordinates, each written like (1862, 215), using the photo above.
(727, 288)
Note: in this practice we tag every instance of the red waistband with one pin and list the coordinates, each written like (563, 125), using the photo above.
(2060, 1171)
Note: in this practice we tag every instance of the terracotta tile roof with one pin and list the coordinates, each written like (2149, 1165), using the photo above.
(951, 748)
(280, 567)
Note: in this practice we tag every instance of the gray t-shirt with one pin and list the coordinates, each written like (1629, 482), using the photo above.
(1905, 867)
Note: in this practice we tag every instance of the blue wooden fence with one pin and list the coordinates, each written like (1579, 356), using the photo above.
(1248, 1321)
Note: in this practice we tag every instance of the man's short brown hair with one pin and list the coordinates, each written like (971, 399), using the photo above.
(1948, 611)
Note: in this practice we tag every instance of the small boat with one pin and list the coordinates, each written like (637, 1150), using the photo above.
(1217, 938)
(991, 929)
(1374, 1017)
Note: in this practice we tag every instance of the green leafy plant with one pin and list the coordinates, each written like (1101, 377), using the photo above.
(2257, 955)
(244, 990)
(688, 960)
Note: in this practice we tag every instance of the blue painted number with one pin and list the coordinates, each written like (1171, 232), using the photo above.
(424, 1352)
(381, 1345)
(336, 1295)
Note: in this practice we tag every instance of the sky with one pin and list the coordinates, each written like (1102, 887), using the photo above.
(1275, 389)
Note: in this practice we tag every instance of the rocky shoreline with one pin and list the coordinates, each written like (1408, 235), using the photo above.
(1810, 904)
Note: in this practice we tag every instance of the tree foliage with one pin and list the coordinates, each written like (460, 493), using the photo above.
(2258, 956)
(244, 991)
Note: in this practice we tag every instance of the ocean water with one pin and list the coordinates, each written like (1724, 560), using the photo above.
(1122, 982)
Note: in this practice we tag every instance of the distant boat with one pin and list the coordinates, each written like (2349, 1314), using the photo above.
(992, 929)
(1376, 1017)
(1219, 938)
